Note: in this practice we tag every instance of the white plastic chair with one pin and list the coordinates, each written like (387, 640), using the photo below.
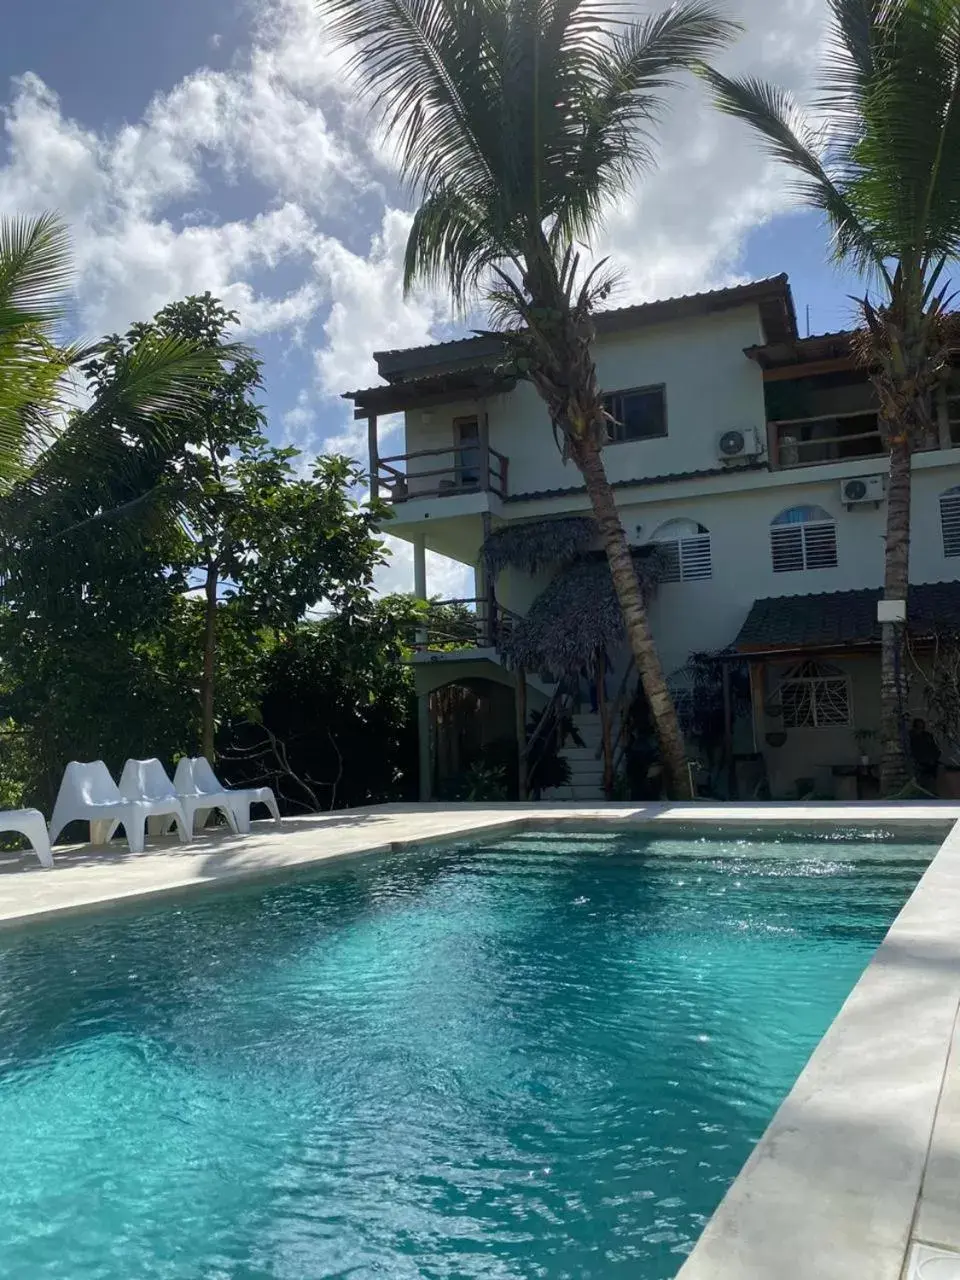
(239, 799)
(199, 799)
(149, 780)
(89, 794)
(29, 823)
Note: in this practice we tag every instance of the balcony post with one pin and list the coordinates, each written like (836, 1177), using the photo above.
(484, 423)
(484, 587)
(374, 451)
(420, 580)
(424, 746)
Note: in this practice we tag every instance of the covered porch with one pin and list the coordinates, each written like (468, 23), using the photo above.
(814, 665)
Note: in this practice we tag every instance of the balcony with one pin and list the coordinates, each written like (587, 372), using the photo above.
(442, 473)
(453, 626)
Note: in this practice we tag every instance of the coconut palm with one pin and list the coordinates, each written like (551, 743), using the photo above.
(516, 124)
(883, 166)
(113, 446)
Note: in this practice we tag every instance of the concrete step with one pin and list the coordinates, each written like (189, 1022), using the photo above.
(575, 792)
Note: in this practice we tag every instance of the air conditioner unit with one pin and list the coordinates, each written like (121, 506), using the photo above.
(853, 493)
(739, 444)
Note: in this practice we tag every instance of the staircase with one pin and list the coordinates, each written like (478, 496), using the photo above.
(586, 763)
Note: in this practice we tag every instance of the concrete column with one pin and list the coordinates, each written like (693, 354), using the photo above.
(420, 566)
(373, 448)
(423, 741)
(420, 581)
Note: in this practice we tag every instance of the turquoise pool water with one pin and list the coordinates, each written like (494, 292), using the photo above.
(542, 1057)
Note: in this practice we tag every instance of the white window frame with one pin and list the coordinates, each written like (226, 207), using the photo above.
(950, 522)
(826, 688)
(803, 546)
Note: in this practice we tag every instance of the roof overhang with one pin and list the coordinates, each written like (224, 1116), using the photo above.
(772, 297)
(804, 357)
(421, 393)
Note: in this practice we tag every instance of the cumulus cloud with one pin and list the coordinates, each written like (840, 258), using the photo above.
(312, 247)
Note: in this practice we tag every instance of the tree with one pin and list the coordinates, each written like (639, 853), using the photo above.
(258, 540)
(337, 723)
(885, 172)
(516, 124)
(148, 392)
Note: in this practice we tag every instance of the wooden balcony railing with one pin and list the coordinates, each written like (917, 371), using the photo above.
(440, 473)
(463, 624)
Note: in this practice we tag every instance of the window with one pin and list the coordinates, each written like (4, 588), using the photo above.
(685, 547)
(815, 696)
(640, 414)
(950, 521)
(803, 538)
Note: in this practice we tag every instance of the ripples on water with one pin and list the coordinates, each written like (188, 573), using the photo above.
(546, 1057)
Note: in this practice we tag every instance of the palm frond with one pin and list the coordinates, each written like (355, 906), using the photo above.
(35, 270)
(425, 65)
(772, 113)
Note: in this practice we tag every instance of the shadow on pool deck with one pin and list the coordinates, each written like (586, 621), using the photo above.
(218, 843)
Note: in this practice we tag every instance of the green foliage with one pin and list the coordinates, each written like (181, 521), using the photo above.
(886, 170)
(165, 486)
(336, 723)
(512, 119)
(484, 781)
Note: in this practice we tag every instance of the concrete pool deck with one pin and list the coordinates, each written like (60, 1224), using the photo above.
(858, 1173)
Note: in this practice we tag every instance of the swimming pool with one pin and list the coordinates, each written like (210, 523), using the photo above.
(545, 1056)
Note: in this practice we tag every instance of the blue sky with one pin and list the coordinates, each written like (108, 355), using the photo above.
(214, 144)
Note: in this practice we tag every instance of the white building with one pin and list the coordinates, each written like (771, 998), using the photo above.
(753, 452)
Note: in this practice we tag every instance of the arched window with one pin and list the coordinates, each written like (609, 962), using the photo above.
(685, 546)
(950, 521)
(803, 538)
(815, 695)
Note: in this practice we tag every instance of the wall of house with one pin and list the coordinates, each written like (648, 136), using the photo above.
(707, 615)
(710, 385)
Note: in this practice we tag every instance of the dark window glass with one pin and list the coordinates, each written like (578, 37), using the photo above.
(638, 415)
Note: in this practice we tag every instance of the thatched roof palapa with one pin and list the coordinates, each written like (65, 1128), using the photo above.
(534, 545)
(576, 615)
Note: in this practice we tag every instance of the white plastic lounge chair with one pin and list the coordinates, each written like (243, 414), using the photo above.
(30, 823)
(199, 799)
(240, 799)
(149, 780)
(89, 794)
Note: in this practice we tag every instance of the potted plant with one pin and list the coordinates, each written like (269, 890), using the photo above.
(863, 738)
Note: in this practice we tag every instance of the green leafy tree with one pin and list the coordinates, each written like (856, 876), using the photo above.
(884, 170)
(141, 402)
(260, 543)
(337, 722)
(516, 125)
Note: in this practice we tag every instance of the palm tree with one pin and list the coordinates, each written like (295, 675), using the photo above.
(517, 123)
(112, 449)
(884, 169)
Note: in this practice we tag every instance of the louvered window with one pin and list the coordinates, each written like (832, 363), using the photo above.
(685, 549)
(803, 538)
(950, 521)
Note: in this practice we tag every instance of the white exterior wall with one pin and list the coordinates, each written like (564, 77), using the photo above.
(706, 615)
(711, 387)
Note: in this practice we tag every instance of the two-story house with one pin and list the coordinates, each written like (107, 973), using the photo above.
(750, 454)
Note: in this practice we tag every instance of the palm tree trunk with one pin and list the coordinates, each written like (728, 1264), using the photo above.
(209, 663)
(586, 455)
(894, 770)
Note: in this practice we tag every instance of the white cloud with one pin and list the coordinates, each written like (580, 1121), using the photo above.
(447, 579)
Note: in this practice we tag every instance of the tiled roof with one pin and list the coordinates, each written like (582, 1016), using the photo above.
(534, 495)
(780, 322)
(839, 619)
